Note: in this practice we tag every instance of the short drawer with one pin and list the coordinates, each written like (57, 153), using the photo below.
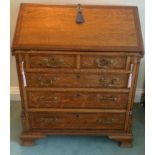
(79, 80)
(103, 62)
(77, 120)
(49, 99)
(52, 61)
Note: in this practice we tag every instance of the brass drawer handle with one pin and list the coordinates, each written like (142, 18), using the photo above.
(102, 62)
(46, 82)
(48, 120)
(52, 62)
(108, 83)
(107, 99)
(53, 99)
(104, 121)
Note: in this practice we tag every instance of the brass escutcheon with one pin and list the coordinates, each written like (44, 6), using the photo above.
(102, 62)
(52, 62)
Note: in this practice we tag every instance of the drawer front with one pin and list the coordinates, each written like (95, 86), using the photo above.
(77, 100)
(77, 120)
(52, 61)
(103, 62)
(72, 80)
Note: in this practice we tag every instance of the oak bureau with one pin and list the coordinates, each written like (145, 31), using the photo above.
(77, 67)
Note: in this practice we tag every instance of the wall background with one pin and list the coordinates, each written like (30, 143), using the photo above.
(14, 13)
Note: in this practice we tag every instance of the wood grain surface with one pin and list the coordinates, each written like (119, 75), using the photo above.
(77, 75)
(75, 99)
(55, 28)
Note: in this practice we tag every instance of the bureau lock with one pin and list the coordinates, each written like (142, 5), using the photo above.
(79, 17)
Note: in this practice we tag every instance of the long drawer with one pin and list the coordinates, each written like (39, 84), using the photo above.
(89, 61)
(77, 120)
(77, 80)
(49, 99)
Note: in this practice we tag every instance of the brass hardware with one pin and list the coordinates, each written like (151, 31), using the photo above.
(108, 83)
(52, 62)
(78, 76)
(46, 82)
(48, 120)
(102, 62)
(107, 99)
(79, 17)
(53, 99)
(105, 121)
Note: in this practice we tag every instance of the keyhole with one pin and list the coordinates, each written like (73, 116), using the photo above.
(78, 95)
(77, 115)
(78, 76)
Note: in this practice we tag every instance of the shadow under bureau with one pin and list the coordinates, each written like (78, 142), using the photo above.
(77, 70)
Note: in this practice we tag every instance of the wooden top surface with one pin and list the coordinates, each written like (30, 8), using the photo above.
(54, 27)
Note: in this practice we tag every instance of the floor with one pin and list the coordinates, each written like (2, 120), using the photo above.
(76, 145)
